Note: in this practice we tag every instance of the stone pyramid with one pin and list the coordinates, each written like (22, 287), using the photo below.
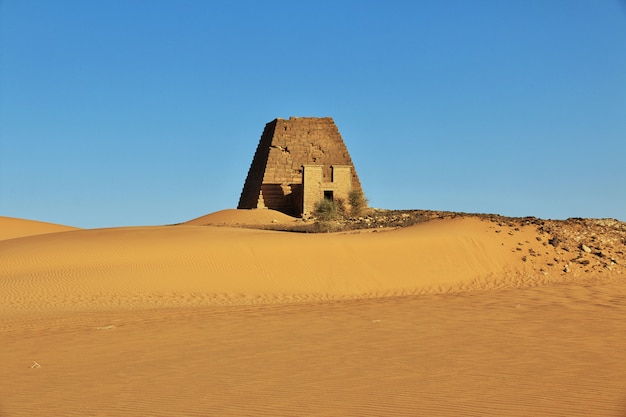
(297, 163)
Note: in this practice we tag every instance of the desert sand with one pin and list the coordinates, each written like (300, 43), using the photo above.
(462, 315)
(11, 228)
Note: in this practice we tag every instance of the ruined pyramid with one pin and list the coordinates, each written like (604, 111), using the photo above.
(297, 163)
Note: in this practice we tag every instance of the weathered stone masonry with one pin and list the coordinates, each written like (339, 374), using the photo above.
(297, 163)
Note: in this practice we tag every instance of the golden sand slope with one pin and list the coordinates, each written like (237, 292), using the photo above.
(179, 265)
(200, 321)
(234, 217)
(11, 228)
(543, 351)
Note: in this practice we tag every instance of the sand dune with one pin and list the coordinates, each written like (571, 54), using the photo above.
(460, 316)
(233, 217)
(177, 265)
(11, 228)
(543, 351)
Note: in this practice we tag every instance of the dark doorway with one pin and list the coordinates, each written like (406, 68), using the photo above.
(328, 195)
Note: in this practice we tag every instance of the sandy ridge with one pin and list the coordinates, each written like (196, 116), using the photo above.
(12, 228)
(234, 217)
(198, 265)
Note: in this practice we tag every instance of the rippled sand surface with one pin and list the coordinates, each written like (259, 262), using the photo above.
(442, 318)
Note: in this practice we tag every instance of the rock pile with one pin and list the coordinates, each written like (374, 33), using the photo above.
(588, 244)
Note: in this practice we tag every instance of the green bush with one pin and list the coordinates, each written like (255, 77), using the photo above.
(358, 202)
(326, 209)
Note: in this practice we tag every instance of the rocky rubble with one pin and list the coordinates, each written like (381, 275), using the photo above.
(588, 244)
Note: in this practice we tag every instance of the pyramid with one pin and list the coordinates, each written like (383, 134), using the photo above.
(297, 163)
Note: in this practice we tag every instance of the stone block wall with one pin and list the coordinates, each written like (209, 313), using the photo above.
(342, 182)
(313, 178)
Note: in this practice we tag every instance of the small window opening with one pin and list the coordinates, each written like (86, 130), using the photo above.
(328, 195)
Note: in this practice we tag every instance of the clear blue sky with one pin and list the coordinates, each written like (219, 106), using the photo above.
(144, 112)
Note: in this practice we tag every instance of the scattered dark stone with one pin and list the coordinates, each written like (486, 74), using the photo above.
(524, 258)
(554, 241)
(543, 229)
